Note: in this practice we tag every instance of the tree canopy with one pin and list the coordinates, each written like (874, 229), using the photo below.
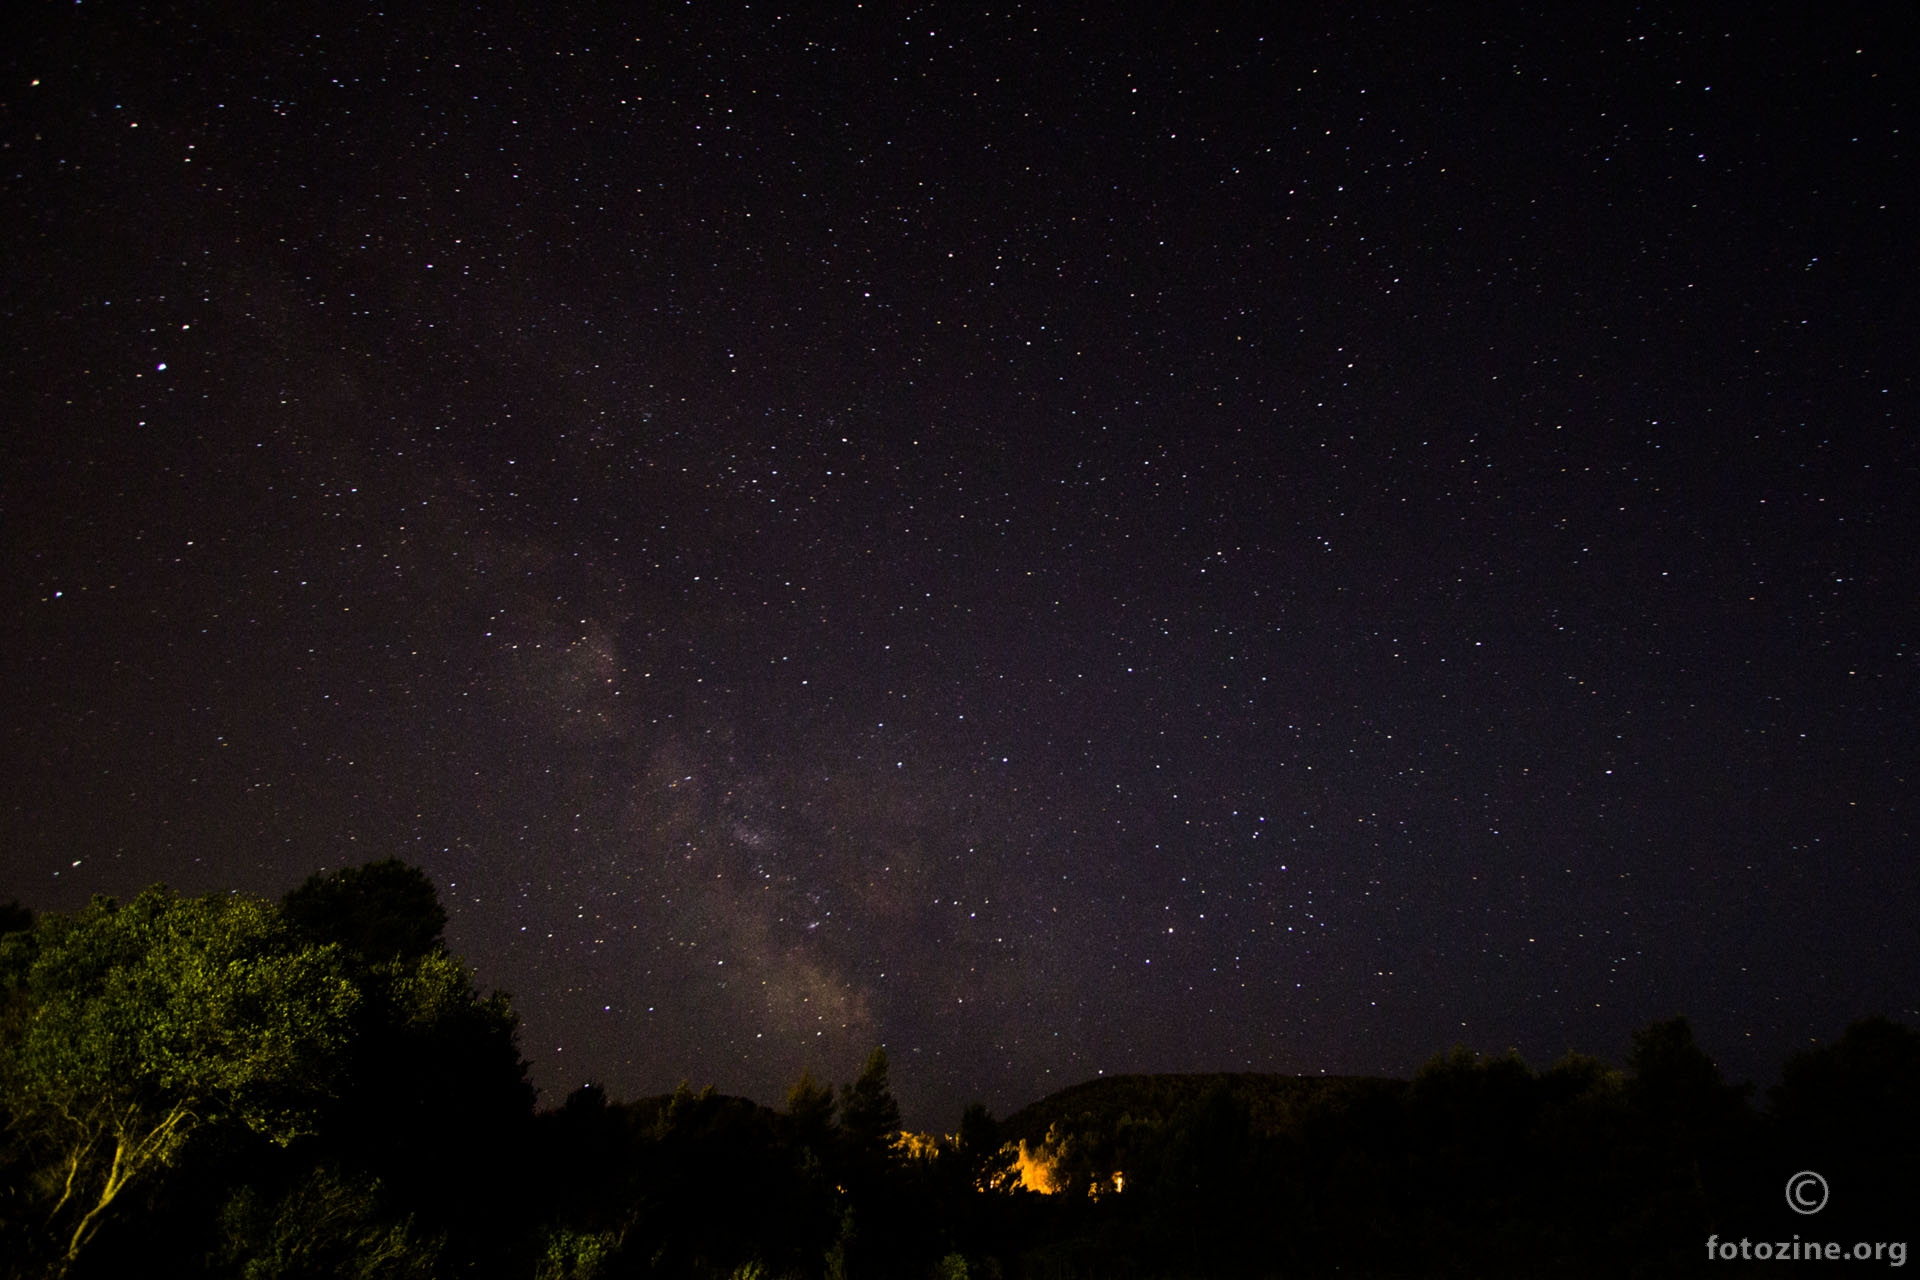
(250, 1090)
(335, 1020)
(378, 912)
(139, 1024)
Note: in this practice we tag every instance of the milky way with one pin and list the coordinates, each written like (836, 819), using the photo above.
(1051, 543)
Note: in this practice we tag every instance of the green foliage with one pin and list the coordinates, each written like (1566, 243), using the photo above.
(130, 1028)
(337, 1021)
(577, 1255)
(837, 1260)
(230, 1088)
(326, 1225)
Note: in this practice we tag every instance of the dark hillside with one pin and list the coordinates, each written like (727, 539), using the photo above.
(1274, 1104)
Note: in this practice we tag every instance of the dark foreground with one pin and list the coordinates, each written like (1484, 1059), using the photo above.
(235, 1088)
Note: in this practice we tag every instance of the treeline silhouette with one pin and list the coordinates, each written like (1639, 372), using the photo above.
(228, 1087)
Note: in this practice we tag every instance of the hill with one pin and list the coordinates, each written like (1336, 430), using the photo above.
(1273, 1104)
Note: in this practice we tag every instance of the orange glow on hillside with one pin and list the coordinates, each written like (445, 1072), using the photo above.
(1047, 1169)
(923, 1146)
(1038, 1169)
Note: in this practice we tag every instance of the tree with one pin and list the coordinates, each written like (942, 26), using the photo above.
(1671, 1076)
(868, 1114)
(324, 1225)
(880, 1232)
(978, 1150)
(436, 1105)
(380, 912)
(132, 1027)
(1865, 1086)
(810, 1107)
(1851, 1110)
(1696, 1137)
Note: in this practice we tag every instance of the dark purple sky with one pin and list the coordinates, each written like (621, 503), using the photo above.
(1056, 544)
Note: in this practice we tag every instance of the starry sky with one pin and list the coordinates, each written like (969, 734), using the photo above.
(1055, 541)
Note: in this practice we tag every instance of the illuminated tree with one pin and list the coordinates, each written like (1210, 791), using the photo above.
(131, 1027)
(325, 1224)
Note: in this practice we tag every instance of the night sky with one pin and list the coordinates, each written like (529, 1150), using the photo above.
(1057, 544)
